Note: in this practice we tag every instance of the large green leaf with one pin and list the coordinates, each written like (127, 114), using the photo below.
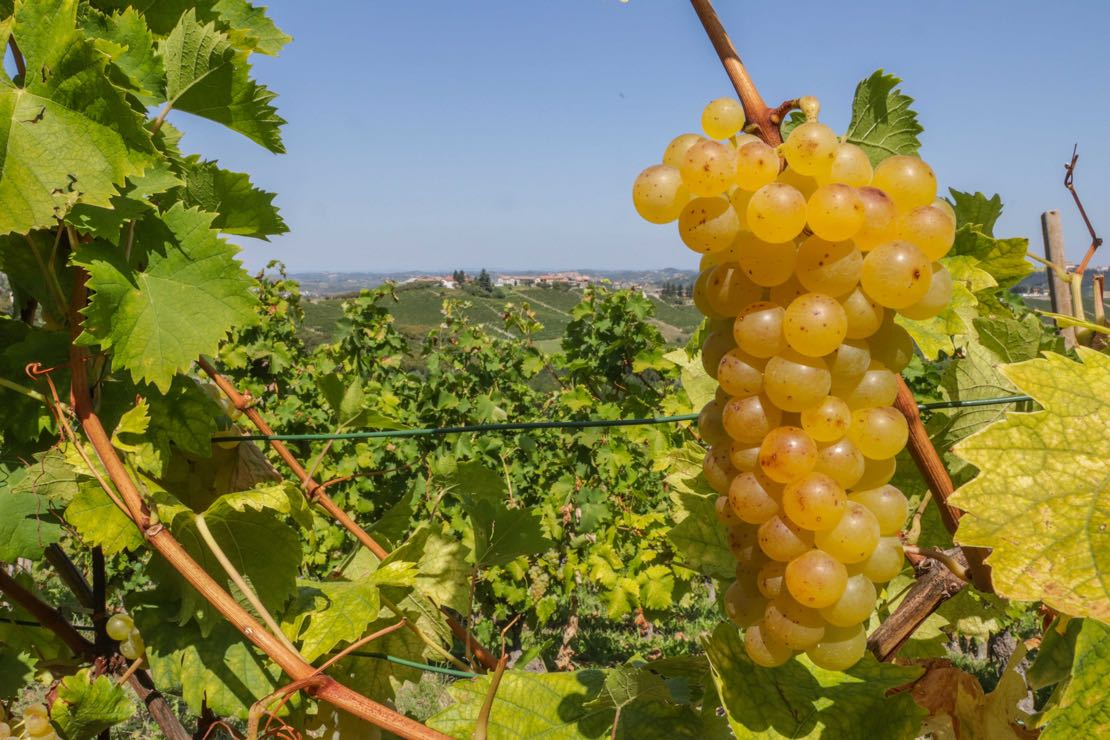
(698, 538)
(442, 561)
(976, 209)
(501, 534)
(100, 522)
(26, 525)
(85, 706)
(1042, 498)
(159, 320)
(327, 613)
(1079, 709)
(883, 123)
(240, 207)
(67, 135)
(249, 26)
(800, 700)
(125, 37)
(1004, 259)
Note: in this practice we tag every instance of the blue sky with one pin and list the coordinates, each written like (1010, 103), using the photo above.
(506, 134)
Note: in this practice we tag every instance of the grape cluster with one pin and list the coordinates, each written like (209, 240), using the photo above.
(804, 265)
(36, 725)
(121, 629)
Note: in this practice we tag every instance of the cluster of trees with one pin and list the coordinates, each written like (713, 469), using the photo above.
(677, 292)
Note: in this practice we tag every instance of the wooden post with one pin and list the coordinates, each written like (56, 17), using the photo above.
(1058, 290)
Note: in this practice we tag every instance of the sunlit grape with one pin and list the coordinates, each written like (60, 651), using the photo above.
(814, 324)
(936, 298)
(896, 274)
(717, 343)
(739, 199)
(740, 374)
(782, 295)
(850, 165)
(816, 579)
(710, 428)
(888, 504)
(36, 725)
(744, 456)
(814, 502)
(875, 473)
(842, 461)
(777, 213)
(827, 420)
(119, 627)
(758, 329)
(876, 387)
(765, 264)
(810, 148)
(794, 381)
(743, 605)
(850, 360)
(794, 625)
(832, 268)
(708, 224)
(879, 219)
(786, 454)
(769, 579)
(132, 648)
(754, 497)
(659, 194)
(854, 605)
(722, 118)
(717, 468)
(885, 562)
(675, 152)
(854, 537)
(835, 212)
(749, 419)
(907, 180)
(756, 165)
(928, 228)
(879, 433)
(728, 290)
(763, 649)
(780, 539)
(863, 314)
(708, 168)
(739, 140)
(840, 648)
(945, 206)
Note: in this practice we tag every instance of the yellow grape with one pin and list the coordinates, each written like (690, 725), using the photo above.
(783, 294)
(740, 374)
(885, 562)
(765, 264)
(747, 420)
(835, 212)
(814, 502)
(804, 184)
(769, 578)
(875, 473)
(854, 605)
(842, 461)
(763, 649)
(717, 469)
(739, 199)
(892, 345)
(928, 228)
(744, 456)
(783, 540)
(728, 290)
(659, 194)
(816, 579)
(5, 731)
(35, 710)
(853, 538)
(701, 295)
(888, 504)
(709, 260)
(754, 497)
(132, 648)
(786, 454)
(717, 343)
(936, 298)
(863, 314)
(708, 168)
(810, 148)
(879, 219)
(722, 118)
(708, 224)
(794, 625)
(840, 648)
(742, 542)
(36, 725)
(876, 387)
(743, 605)
(827, 420)
(758, 329)
(750, 559)
(777, 213)
(879, 433)
(794, 381)
(675, 152)
(850, 360)
(850, 166)
(756, 165)
(725, 515)
(119, 627)
(907, 180)
(815, 324)
(710, 428)
(896, 274)
(832, 268)
(945, 206)
(739, 140)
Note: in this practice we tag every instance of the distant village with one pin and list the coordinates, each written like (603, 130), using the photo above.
(458, 278)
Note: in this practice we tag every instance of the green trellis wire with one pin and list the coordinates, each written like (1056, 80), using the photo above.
(518, 426)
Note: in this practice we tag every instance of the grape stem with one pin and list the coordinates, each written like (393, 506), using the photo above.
(935, 584)
(958, 569)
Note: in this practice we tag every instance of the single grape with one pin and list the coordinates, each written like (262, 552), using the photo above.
(794, 625)
(864, 315)
(36, 725)
(896, 274)
(708, 224)
(716, 345)
(675, 153)
(769, 578)
(5, 731)
(827, 420)
(888, 504)
(739, 199)
(879, 433)
(777, 213)
(119, 626)
(854, 605)
(743, 605)
(840, 648)
(708, 168)
(742, 542)
(854, 537)
(744, 456)
(794, 381)
(132, 648)
(765, 264)
(754, 497)
(780, 539)
(722, 118)
(907, 180)
(814, 502)
(786, 454)
(758, 329)
(747, 420)
(701, 295)
(850, 360)
(876, 473)
(659, 195)
(876, 387)
(756, 165)
(810, 148)
(782, 295)
(717, 469)
(740, 374)
(35, 710)
(835, 212)
(710, 428)
(850, 165)
(885, 562)
(728, 290)
(842, 462)
(832, 268)
(928, 228)
(892, 345)
(763, 649)
(816, 579)
(879, 219)
(935, 300)
(815, 324)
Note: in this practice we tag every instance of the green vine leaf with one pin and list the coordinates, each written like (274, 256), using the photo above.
(26, 526)
(128, 41)
(883, 124)
(85, 706)
(1079, 708)
(100, 522)
(240, 207)
(1041, 499)
(976, 209)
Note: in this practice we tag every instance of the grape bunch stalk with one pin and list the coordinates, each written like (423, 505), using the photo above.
(807, 253)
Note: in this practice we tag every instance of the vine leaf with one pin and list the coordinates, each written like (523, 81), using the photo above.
(26, 527)
(1042, 498)
(1078, 708)
(68, 107)
(501, 534)
(976, 209)
(240, 207)
(17, 670)
(100, 522)
(157, 321)
(883, 124)
(697, 536)
(85, 706)
(125, 37)
(800, 700)
(248, 26)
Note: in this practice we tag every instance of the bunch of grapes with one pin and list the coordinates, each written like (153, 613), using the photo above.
(121, 629)
(36, 725)
(804, 263)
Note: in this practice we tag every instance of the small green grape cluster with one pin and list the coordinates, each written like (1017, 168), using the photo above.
(804, 264)
(36, 725)
(121, 629)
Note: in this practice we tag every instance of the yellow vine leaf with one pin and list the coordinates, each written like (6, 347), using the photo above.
(1042, 498)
